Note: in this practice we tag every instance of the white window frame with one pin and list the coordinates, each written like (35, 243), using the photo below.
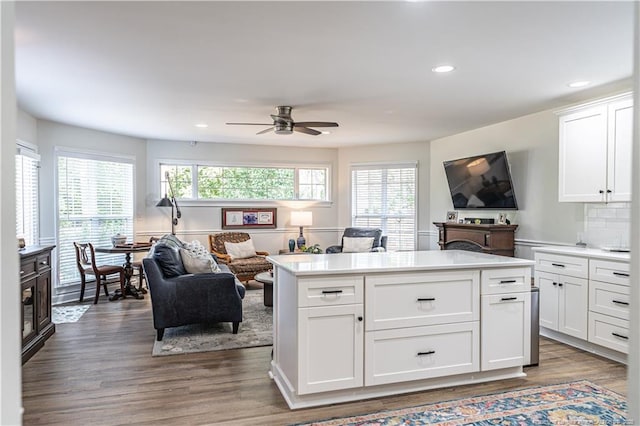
(27, 149)
(243, 202)
(387, 165)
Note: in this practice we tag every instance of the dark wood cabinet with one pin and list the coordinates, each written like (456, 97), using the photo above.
(492, 239)
(35, 282)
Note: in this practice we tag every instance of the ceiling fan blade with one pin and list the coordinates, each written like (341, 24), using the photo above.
(306, 130)
(316, 124)
(250, 124)
(270, 129)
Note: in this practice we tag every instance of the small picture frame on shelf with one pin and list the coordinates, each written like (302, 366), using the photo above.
(502, 219)
(452, 216)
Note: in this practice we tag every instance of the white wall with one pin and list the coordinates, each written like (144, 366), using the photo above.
(10, 340)
(389, 153)
(531, 143)
(201, 219)
(27, 127)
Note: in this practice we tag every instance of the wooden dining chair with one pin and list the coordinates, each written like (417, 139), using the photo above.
(86, 262)
(137, 266)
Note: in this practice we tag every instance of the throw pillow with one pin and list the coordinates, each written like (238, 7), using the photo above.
(195, 264)
(241, 250)
(169, 260)
(356, 244)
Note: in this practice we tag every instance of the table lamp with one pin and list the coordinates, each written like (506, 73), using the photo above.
(301, 219)
(171, 202)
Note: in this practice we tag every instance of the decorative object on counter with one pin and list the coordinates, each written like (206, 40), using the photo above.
(118, 239)
(173, 203)
(292, 245)
(301, 219)
(572, 403)
(502, 219)
(21, 243)
(452, 216)
(239, 218)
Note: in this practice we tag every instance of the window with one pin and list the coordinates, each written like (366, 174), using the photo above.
(384, 196)
(27, 186)
(95, 202)
(216, 182)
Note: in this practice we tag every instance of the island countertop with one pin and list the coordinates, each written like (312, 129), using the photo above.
(338, 263)
(594, 253)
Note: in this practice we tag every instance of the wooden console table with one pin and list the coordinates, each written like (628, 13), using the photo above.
(491, 239)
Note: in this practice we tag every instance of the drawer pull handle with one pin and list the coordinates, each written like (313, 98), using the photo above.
(21, 272)
(504, 299)
(426, 353)
(426, 299)
(559, 265)
(619, 302)
(559, 284)
(621, 274)
(44, 262)
(555, 283)
(331, 291)
(620, 336)
(507, 281)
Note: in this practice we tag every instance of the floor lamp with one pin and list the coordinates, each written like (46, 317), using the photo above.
(173, 203)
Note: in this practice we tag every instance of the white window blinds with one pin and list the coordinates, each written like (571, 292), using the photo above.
(384, 196)
(95, 202)
(27, 187)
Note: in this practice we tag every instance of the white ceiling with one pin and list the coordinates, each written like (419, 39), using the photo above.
(155, 69)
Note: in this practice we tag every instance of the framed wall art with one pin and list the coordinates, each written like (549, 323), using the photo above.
(245, 218)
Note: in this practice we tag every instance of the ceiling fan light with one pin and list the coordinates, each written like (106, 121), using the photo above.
(443, 69)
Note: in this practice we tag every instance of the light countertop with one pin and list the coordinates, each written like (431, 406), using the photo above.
(593, 253)
(400, 261)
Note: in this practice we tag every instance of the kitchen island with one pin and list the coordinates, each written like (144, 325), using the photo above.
(351, 326)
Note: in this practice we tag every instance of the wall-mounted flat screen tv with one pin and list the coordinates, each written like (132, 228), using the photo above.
(481, 182)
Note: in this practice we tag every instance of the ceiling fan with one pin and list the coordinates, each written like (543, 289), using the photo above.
(283, 124)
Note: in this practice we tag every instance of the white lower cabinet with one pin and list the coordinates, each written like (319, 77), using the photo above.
(421, 352)
(563, 303)
(506, 330)
(609, 332)
(330, 342)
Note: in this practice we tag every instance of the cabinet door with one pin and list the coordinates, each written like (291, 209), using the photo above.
(43, 300)
(548, 284)
(620, 125)
(505, 330)
(573, 306)
(583, 152)
(28, 304)
(331, 342)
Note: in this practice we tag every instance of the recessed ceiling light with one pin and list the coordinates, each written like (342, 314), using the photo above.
(202, 125)
(443, 68)
(582, 83)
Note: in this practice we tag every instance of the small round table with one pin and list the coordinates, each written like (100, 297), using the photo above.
(267, 281)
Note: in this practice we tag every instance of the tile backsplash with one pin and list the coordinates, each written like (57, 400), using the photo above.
(607, 225)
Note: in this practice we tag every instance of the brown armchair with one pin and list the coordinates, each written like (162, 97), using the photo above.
(244, 269)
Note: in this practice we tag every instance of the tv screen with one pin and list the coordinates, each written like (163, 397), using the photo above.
(481, 182)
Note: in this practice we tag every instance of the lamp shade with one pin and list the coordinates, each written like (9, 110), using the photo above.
(478, 167)
(301, 218)
(165, 202)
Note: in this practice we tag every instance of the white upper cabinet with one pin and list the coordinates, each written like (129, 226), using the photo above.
(595, 151)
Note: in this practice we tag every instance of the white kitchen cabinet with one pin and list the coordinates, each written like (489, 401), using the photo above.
(330, 342)
(595, 151)
(506, 330)
(563, 303)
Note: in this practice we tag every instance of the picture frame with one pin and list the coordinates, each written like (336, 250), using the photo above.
(246, 218)
(452, 216)
(502, 219)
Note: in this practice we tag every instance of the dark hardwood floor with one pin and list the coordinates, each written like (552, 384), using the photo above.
(99, 371)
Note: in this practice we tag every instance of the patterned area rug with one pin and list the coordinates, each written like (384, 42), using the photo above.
(255, 330)
(69, 313)
(576, 403)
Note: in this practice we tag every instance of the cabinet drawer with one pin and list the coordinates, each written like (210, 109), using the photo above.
(609, 332)
(43, 262)
(508, 280)
(418, 299)
(607, 271)
(609, 299)
(421, 352)
(565, 265)
(28, 267)
(327, 291)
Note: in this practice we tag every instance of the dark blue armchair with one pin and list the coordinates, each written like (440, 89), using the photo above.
(379, 241)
